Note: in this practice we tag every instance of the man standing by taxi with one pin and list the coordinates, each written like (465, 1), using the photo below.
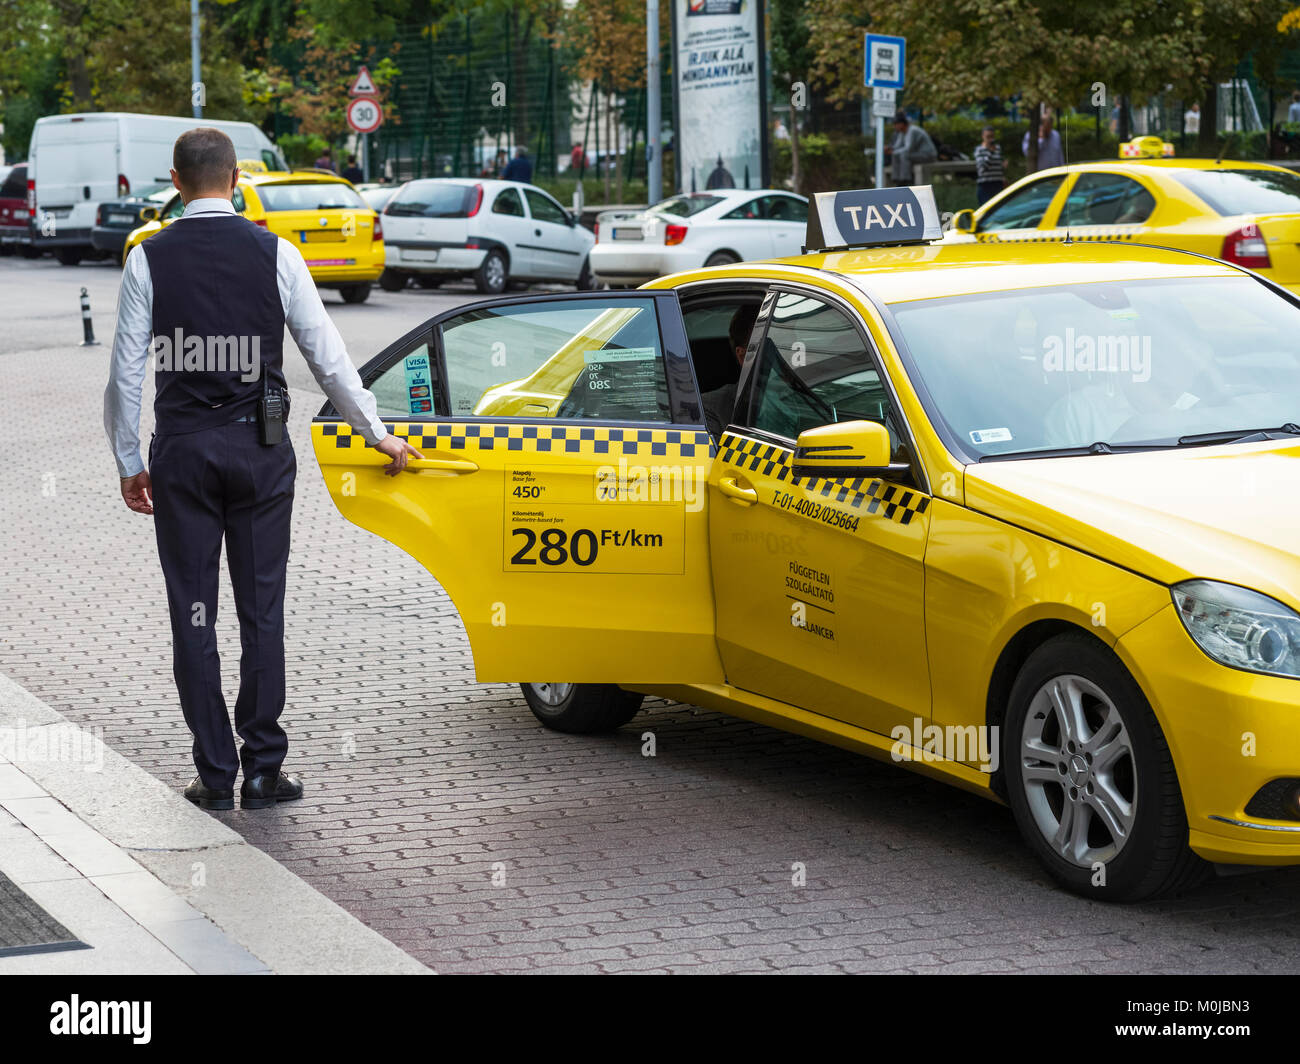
(209, 297)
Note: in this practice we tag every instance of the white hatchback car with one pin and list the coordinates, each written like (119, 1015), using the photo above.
(492, 231)
(699, 229)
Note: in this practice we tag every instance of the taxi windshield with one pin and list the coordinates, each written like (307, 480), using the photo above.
(1131, 364)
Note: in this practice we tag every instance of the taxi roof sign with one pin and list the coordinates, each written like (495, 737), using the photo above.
(1146, 148)
(872, 217)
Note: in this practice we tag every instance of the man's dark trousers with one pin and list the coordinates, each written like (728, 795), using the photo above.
(208, 484)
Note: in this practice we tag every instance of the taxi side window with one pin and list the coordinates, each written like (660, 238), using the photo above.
(598, 359)
(545, 209)
(237, 201)
(814, 369)
(175, 208)
(1024, 209)
(1106, 199)
(751, 210)
(397, 391)
(508, 202)
(784, 209)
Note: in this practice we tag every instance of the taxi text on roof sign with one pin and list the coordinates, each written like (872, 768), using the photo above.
(865, 217)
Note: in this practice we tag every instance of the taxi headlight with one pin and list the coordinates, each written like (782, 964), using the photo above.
(1239, 627)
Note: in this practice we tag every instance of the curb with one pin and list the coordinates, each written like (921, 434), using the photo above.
(262, 907)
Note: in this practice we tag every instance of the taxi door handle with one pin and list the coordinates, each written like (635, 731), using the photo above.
(442, 465)
(730, 487)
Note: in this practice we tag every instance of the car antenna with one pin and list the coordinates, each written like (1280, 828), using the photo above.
(1224, 150)
(1065, 154)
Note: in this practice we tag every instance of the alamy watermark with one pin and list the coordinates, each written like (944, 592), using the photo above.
(1088, 353)
(209, 354)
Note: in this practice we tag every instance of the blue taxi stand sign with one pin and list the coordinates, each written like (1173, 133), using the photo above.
(885, 61)
(872, 217)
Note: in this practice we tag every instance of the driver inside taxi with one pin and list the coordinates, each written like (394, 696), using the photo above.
(720, 403)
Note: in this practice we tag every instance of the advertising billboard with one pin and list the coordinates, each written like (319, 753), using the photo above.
(719, 92)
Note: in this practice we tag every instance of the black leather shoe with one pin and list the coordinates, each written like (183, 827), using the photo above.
(210, 797)
(262, 791)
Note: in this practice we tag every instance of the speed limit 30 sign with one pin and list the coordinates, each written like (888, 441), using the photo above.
(365, 115)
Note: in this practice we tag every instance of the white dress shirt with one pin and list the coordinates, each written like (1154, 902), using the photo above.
(304, 314)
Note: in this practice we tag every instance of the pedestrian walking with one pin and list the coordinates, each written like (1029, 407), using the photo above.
(1293, 112)
(990, 170)
(578, 159)
(1050, 152)
(520, 168)
(208, 299)
(352, 172)
(325, 161)
(911, 145)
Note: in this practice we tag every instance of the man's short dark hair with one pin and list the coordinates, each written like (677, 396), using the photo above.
(204, 159)
(742, 324)
(901, 119)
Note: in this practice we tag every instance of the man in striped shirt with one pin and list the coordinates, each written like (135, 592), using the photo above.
(990, 174)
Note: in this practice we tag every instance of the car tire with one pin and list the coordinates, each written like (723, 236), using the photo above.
(355, 293)
(29, 252)
(721, 258)
(493, 274)
(581, 708)
(1090, 778)
(69, 256)
(585, 282)
(393, 281)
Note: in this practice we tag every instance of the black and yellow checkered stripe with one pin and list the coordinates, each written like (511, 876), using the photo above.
(537, 439)
(1075, 237)
(870, 496)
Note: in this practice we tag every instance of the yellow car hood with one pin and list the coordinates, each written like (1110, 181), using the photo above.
(1229, 513)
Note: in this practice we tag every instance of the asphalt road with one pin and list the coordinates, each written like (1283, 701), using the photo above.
(442, 815)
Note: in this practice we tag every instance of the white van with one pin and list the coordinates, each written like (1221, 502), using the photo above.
(78, 161)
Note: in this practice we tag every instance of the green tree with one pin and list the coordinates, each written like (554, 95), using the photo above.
(792, 61)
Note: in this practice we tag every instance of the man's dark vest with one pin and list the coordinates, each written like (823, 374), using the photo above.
(217, 320)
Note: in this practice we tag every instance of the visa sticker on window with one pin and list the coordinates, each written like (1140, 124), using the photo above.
(419, 383)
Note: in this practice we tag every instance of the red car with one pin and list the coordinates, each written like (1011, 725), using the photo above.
(15, 234)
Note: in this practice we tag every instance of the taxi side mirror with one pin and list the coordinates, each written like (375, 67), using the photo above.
(148, 214)
(964, 221)
(846, 449)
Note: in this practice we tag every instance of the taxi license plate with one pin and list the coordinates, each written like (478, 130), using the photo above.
(628, 234)
(322, 236)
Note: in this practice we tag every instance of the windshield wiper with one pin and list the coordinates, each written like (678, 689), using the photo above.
(1100, 447)
(1239, 435)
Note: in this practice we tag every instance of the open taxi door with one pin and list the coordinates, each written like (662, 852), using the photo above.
(561, 501)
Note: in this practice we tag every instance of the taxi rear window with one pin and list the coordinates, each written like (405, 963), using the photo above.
(434, 199)
(310, 196)
(1230, 192)
(685, 206)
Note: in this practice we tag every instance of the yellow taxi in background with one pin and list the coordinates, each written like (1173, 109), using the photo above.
(1021, 517)
(1246, 213)
(338, 233)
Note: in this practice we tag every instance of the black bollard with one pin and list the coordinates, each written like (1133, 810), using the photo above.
(86, 325)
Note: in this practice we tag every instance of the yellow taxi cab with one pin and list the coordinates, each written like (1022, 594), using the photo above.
(1243, 212)
(1021, 518)
(338, 233)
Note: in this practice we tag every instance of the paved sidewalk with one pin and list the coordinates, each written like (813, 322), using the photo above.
(441, 814)
(149, 882)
